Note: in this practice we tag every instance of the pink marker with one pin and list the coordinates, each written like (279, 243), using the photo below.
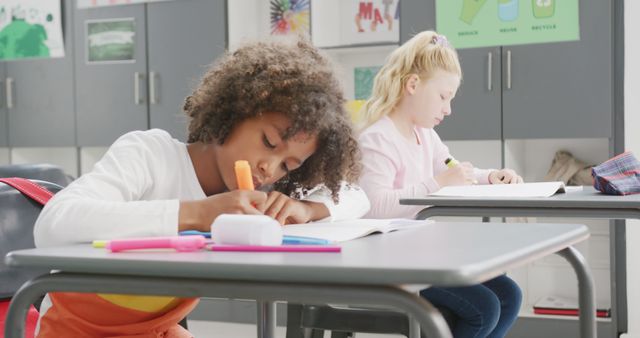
(179, 243)
(277, 248)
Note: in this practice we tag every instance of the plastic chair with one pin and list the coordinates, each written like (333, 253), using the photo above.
(19, 214)
(343, 322)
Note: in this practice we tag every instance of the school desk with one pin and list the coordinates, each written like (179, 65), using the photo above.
(369, 271)
(586, 203)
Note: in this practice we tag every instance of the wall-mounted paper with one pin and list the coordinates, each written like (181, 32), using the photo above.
(289, 16)
(336, 23)
(111, 40)
(363, 81)
(102, 3)
(482, 23)
(30, 29)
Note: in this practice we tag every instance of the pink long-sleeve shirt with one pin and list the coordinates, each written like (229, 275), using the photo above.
(395, 168)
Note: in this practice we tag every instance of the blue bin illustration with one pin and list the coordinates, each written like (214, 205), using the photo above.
(508, 10)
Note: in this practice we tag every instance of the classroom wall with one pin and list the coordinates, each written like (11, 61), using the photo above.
(632, 142)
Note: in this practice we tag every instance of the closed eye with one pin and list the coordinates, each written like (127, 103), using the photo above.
(266, 142)
(284, 167)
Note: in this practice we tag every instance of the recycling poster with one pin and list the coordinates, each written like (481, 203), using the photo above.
(486, 23)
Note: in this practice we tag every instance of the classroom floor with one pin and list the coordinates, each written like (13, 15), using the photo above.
(218, 329)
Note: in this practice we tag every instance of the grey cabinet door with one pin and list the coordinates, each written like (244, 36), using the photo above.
(477, 107)
(415, 17)
(4, 121)
(184, 37)
(42, 108)
(111, 95)
(563, 90)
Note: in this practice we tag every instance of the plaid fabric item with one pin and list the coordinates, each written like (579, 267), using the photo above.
(618, 176)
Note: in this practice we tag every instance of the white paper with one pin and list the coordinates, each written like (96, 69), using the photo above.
(30, 29)
(347, 230)
(538, 189)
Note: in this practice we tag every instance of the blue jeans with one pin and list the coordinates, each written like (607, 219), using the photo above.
(485, 310)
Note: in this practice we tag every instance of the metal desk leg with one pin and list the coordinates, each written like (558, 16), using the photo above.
(414, 328)
(430, 319)
(587, 294)
(266, 319)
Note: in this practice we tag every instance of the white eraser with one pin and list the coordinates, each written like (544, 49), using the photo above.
(246, 230)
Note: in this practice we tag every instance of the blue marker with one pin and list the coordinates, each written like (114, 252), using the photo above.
(286, 239)
(195, 232)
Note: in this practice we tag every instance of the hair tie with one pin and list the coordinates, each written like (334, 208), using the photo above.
(441, 40)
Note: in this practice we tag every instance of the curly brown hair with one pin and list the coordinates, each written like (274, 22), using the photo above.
(291, 77)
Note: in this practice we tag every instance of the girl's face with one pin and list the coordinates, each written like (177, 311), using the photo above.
(259, 141)
(430, 101)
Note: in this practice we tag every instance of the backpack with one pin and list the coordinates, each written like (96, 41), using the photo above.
(20, 203)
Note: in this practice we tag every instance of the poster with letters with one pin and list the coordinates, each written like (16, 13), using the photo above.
(338, 23)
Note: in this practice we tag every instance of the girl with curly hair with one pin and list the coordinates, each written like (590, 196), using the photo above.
(275, 104)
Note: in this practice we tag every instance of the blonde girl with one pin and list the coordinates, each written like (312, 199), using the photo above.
(403, 157)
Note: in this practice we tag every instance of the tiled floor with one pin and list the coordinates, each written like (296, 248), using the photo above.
(205, 329)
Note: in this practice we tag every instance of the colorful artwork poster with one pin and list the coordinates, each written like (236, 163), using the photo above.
(30, 29)
(375, 21)
(111, 40)
(482, 23)
(289, 16)
(102, 3)
(363, 81)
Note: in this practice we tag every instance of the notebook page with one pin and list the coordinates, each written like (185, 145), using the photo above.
(347, 230)
(537, 189)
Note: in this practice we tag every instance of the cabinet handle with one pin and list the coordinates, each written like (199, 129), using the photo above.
(490, 71)
(9, 92)
(508, 69)
(137, 76)
(152, 88)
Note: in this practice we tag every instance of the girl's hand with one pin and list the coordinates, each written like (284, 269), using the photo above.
(198, 215)
(461, 174)
(504, 176)
(287, 210)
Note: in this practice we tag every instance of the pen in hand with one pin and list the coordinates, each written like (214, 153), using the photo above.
(452, 162)
(243, 175)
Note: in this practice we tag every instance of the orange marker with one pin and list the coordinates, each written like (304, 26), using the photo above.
(243, 175)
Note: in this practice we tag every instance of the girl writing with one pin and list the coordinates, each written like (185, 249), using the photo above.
(403, 157)
(274, 104)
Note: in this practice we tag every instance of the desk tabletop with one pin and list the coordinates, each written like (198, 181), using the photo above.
(444, 254)
(588, 197)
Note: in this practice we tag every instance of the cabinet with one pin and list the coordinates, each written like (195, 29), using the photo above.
(110, 96)
(4, 122)
(38, 97)
(183, 39)
(553, 90)
(173, 44)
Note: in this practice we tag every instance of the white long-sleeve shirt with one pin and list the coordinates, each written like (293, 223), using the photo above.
(395, 168)
(135, 191)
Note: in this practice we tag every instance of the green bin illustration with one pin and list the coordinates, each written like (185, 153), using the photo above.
(470, 9)
(543, 8)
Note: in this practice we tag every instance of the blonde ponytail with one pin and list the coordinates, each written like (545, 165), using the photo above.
(422, 55)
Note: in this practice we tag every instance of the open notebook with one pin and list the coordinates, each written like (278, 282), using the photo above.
(347, 230)
(537, 189)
